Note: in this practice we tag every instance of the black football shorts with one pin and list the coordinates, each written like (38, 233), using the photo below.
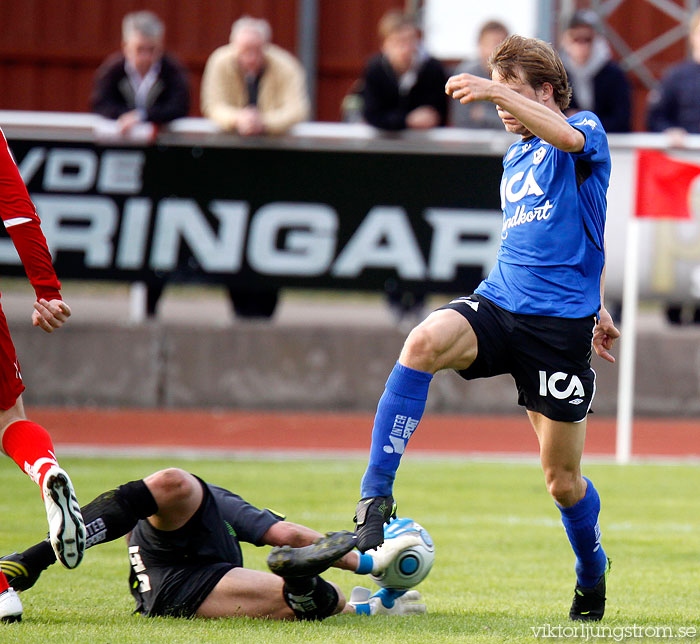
(549, 357)
(173, 572)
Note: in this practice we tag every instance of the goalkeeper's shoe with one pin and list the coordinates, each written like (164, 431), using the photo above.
(312, 560)
(589, 603)
(10, 606)
(19, 575)
(370, 516)
(66, 526)
(386, 602)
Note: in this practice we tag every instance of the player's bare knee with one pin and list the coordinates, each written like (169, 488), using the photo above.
(420, 350)
(11, 415)
(562, 486)
(170, 486)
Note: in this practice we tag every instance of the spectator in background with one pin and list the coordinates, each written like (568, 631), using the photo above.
(598, 82)
(142, 83)
(403, 86)
(251, 86)
(674, 106)
(480, 114)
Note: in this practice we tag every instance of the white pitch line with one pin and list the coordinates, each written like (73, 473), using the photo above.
(208, 453)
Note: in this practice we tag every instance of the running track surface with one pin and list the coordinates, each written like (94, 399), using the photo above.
(341, 433)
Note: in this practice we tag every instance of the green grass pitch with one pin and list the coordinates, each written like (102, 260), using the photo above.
(503, 564)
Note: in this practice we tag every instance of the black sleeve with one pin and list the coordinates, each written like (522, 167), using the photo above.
(619, 116)
(249, 522)
(174, 102)
(431, 88)
(106, 98)
(382, 108)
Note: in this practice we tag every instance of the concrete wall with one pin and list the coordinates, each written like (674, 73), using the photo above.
(331, 368)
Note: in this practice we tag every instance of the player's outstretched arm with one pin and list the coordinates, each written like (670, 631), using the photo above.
(50, 315)
(545, 122)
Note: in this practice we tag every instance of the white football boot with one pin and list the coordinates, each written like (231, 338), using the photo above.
(66, 526)
(10, 606)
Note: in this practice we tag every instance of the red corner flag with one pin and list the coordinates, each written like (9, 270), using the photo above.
(663, 185)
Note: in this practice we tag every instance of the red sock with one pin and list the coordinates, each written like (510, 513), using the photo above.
(29, 445)
(3, 582)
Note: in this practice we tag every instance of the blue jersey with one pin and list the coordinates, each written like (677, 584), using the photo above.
(552, 248)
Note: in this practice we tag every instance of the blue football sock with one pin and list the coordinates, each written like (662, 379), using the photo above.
(581, 525)
(399, 410)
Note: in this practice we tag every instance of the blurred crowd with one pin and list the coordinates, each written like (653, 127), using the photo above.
(253, 87)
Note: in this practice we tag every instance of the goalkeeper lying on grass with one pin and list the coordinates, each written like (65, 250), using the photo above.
(183, 536)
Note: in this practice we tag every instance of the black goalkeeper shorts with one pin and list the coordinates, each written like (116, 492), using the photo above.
(172, 573)
(549, 357)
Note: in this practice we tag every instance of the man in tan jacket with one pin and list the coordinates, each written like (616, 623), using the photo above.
(251, 86)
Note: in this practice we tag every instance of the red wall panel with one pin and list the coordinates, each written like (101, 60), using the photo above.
(51, 48)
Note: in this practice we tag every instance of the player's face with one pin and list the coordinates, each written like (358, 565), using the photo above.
(142, 52)
(524, 89)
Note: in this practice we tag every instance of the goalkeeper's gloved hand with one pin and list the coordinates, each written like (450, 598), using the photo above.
(385, 554)
(386, 602)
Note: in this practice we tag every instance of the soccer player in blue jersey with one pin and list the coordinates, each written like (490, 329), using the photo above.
(535, 316)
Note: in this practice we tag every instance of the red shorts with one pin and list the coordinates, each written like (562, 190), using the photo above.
(10, 377)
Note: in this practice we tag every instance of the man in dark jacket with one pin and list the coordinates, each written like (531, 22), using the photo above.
(598, 82)
(142, 83)
(403, 86)
(674, 107)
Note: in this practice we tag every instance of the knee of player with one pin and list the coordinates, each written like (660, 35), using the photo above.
(421, 350)
(562, 486)
(170, 485)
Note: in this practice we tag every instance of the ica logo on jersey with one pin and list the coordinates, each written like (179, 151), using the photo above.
(515, 188)
(518, 186)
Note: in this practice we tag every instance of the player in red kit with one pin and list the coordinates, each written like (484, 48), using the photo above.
(26, 443)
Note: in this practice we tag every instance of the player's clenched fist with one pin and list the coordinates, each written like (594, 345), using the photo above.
(467, 88)
(50, 315)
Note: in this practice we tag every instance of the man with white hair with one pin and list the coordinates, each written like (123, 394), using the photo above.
(251, 86)
(141, 83)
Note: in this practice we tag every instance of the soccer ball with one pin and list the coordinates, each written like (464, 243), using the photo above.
(412, 564)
